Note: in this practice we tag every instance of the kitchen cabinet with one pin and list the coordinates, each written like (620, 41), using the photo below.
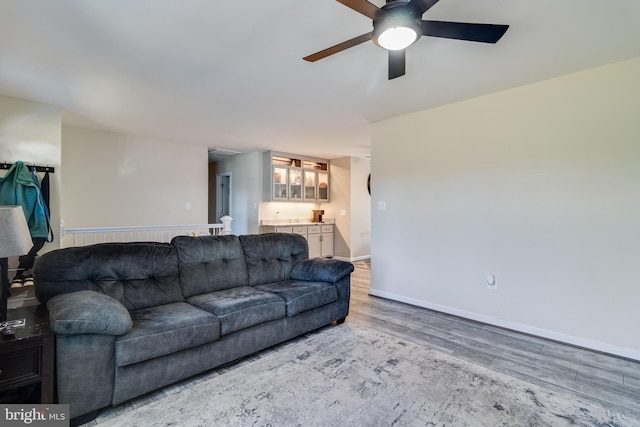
(310, 185)
(287, 183)
(326, 248)
(280, 180)
(295, 183)
(319, 236)
(323, 187)
(295, 178)
(315, 245)
(320, 239)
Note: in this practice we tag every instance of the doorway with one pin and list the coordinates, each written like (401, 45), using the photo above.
(223, 195)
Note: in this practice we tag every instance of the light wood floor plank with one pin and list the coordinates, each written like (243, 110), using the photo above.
(597, 377)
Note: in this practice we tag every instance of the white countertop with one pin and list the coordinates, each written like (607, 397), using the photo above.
(293, 222)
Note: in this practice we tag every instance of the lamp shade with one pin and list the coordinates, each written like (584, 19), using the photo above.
(397, 38)
(15, 239)
(399, 26)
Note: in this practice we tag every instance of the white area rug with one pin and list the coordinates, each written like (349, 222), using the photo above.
(351, 375)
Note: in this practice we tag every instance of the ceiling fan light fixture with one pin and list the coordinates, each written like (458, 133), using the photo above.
(397, 38)
(398, 24)
(397, 27)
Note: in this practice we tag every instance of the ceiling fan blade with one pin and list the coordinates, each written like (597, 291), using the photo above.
(485, 33)
(396, 63)
(338, 48)
(422, 5)
(363, 7)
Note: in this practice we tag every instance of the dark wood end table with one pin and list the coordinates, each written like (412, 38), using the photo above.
(28, 356)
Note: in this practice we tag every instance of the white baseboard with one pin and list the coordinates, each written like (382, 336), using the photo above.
(358, 258)
(520, 327)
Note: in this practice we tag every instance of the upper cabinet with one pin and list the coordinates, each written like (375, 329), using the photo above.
(323, 186)
(295, 178)
(280, 180)
(310, 184)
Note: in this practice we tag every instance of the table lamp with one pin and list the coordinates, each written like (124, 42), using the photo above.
(15, 240)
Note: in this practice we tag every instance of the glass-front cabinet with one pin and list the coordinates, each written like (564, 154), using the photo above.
(280, 178)
(295, 183)
(323, 186)
(310, 185)
(296, 178)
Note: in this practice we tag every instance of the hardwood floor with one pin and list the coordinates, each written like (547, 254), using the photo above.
(608, 380)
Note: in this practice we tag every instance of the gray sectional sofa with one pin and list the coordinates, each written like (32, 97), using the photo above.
(132, 317)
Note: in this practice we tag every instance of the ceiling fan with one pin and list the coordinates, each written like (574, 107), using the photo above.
(398, 24)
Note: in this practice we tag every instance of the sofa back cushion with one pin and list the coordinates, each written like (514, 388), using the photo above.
(138, 275)
(210, 263)
(270, 257)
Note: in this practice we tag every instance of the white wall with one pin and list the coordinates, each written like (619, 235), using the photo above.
(122, 180)
(31, 132)
(539, 185)
(360, 209)
(349, 195)
(246, 190)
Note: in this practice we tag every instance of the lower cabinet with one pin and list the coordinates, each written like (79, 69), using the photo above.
(319, 237)
(327, 243)
(315, 245)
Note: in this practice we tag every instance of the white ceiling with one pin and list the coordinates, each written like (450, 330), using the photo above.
(230, 74)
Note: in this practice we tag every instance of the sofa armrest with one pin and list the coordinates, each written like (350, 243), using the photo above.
(87, 312)
(321, 270)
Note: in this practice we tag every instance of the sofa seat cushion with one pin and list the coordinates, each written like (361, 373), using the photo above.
(165, 329)
(302, 296)
(241, 307)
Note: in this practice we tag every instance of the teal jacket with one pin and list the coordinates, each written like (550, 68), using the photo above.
(20, 187)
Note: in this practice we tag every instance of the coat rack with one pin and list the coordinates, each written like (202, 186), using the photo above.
(37, 168)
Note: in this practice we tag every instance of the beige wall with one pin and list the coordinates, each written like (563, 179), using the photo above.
(122, 180)
(31, 132)
(360, 209)
(538, 185)
(340, 199)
